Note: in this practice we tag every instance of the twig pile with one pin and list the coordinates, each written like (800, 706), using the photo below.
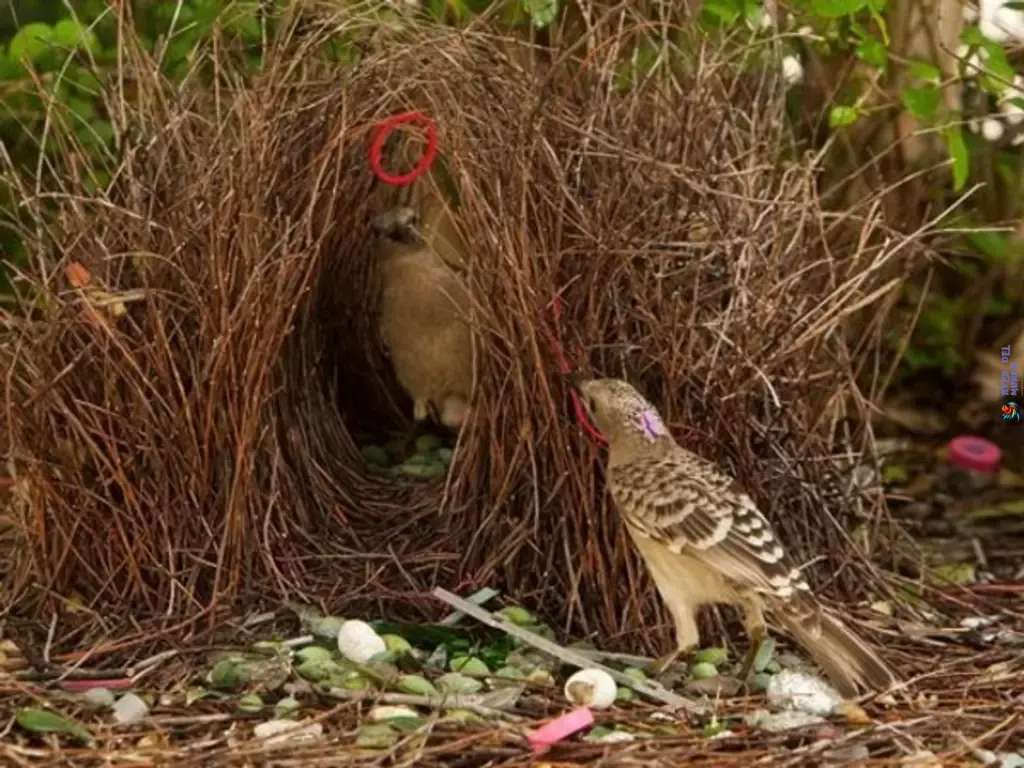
(202, 444)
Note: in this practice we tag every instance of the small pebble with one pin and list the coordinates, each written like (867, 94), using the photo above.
(130, 709)
(101, 697)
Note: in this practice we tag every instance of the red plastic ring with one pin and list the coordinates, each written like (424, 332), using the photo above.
(380, 135)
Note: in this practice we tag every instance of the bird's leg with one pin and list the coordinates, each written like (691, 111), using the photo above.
(420, 410)
(662, 663)
(757, 631)
(687, 639)
(454, 412)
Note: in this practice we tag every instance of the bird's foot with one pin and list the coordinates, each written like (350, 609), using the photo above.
(668, 669)
(454, 413)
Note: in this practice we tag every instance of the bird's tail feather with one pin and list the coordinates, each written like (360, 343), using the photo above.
(847, 660)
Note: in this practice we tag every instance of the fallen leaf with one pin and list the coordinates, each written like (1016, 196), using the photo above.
(416, 685)
(45, 721)
(377, 736)
(455, 682)
(959, 574)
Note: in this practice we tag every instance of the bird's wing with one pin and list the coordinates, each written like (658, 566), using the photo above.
(694, 508)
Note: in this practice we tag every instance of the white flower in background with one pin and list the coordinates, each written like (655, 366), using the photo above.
(992, 129)
(975, 63)
(1014, 113)
(1000, 23)
(763, 20)
(792, 70)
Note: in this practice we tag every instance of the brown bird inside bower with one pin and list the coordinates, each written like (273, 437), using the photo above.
(204, 445)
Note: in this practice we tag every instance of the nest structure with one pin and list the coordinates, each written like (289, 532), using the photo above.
(197, 361)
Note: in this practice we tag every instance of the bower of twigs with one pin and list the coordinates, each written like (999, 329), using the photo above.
(203, 446)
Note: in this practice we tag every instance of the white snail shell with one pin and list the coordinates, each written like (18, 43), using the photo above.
(592, 688)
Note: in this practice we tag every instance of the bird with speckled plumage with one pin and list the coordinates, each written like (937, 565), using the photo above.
(704, 541)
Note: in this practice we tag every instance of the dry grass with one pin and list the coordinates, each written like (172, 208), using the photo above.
(203, 446)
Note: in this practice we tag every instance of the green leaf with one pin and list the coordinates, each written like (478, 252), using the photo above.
(998, 72)
(31, 42)
(923, 102)
(377, 736)
(995, 245)
(195, 693)
(251, 702)
(319, 669)
(877, 6)
(315, 653)
(453, 682)
(416, 685)
(517, 615)
(638, 674)
(45, 721)
(924, 70)
(624, 695)
(972, 35)
(69, 33)
(703, 671)
(872, 51)
(999, 306)
(961, 158)
(712, 655)
(725, 11)
(840, 116)
(469, 665)
(396, 644)
(764, 654)
(286, 707)
(227, 675)
(543, 12)
(833, 9)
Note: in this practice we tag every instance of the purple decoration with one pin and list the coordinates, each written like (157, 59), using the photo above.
(652, 425)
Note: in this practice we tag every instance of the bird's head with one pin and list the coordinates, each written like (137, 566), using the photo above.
(398, 225)
(621, 413)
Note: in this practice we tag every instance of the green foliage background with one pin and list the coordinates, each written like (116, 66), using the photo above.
(55, 57)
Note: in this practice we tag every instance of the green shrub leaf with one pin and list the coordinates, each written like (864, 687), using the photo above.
(840, 116)
(923, 102)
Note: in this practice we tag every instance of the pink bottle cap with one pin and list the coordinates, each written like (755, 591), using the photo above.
(560, 728)
(975, 453)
